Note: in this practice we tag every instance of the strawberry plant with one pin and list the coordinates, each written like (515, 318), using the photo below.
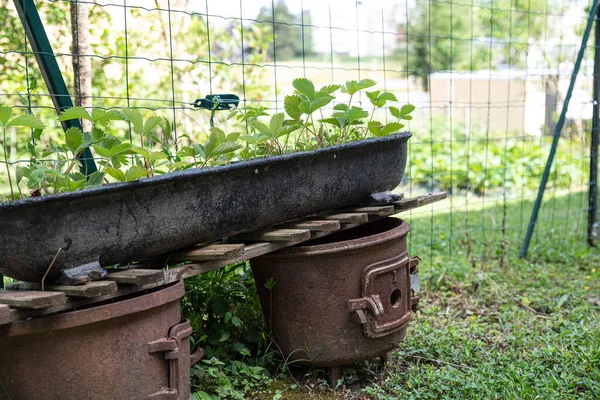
(146, 148)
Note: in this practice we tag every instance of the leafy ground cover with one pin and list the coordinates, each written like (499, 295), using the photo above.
(490, 326)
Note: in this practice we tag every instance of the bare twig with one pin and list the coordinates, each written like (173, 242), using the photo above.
(50, 267)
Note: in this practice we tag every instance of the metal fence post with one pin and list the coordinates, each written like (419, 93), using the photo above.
(557, 131)
(593, 187)
(38, 39)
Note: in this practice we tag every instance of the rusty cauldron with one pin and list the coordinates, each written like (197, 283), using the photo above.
(339, 299)
(131, 349)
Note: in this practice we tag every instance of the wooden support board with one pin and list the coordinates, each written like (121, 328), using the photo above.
(206, 258)
(88, 291)
(31, 300)
(415, 202)
(315, 225)
(275, 235)
(136, 276)
(209, 253)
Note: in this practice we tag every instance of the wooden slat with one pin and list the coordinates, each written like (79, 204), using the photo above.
(380, 211)
(209, 253)
(275, 235)
(4, 311)
(314, 225)
(349, 218)
(88, 291)
(32, 300)
(169, 276)
(408, 204)
(136, 276)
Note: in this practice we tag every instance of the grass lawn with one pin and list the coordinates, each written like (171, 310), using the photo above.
(490, 326)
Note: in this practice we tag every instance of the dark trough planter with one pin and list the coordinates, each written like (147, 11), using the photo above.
(132, 221)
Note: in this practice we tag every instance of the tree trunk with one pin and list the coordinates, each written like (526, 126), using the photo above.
(551, 90)
(82, 63)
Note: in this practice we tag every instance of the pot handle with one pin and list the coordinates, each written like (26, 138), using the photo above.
(359, 306)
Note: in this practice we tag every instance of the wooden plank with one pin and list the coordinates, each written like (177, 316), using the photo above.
(349, 218)
(4, 311)
(170, 275)
(32, 300)
(380, 211)
(275, 235)
(209, 253)
(136, 276)
(415, 202)
(88, 291)
(314, 225)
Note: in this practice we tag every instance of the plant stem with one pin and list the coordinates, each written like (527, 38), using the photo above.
(12, 193)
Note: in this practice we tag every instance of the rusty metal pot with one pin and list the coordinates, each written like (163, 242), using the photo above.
(132, 349)
(339, 299)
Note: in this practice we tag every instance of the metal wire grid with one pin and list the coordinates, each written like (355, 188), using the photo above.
(232, 48)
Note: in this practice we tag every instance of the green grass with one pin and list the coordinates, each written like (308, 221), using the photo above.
(492, 326)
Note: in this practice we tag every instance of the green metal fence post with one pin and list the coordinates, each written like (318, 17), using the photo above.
(53, 78)
(593, 189)
(557, 130)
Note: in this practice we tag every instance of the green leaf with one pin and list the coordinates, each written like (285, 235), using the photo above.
(37, 134)
(373, 96)
(187, 151)
(341, 107)
(332, 121)
(76, 176)
(5, 113)
(116, 173)
(26, 120)
(95, 179)
(329, 89)
(120, 149)
(202, 396)
(275, 124)
(240, 348)
(320, 102)
(375, 127)
(135, 173)
(226, 148)
(351, 87)
(356, 113)
(217, 136)
(152, 123)
(292, 106)
(100, 116)
(74, 113)
(224, 336)
(228, 316)
(236, 321)
(74, 139)
(388, 96)
(406, 110)
(20, 173)
(305, 87)
(392, 127)
(262, 128)
(135, 118)
(142, 152)
(101, 151)
(110, 141)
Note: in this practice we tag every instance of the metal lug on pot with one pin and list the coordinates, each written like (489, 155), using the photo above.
(372, 303)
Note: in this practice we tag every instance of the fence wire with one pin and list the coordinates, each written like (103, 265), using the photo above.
(488, 78)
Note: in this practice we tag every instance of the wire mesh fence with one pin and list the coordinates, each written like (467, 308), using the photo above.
(488, 79)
